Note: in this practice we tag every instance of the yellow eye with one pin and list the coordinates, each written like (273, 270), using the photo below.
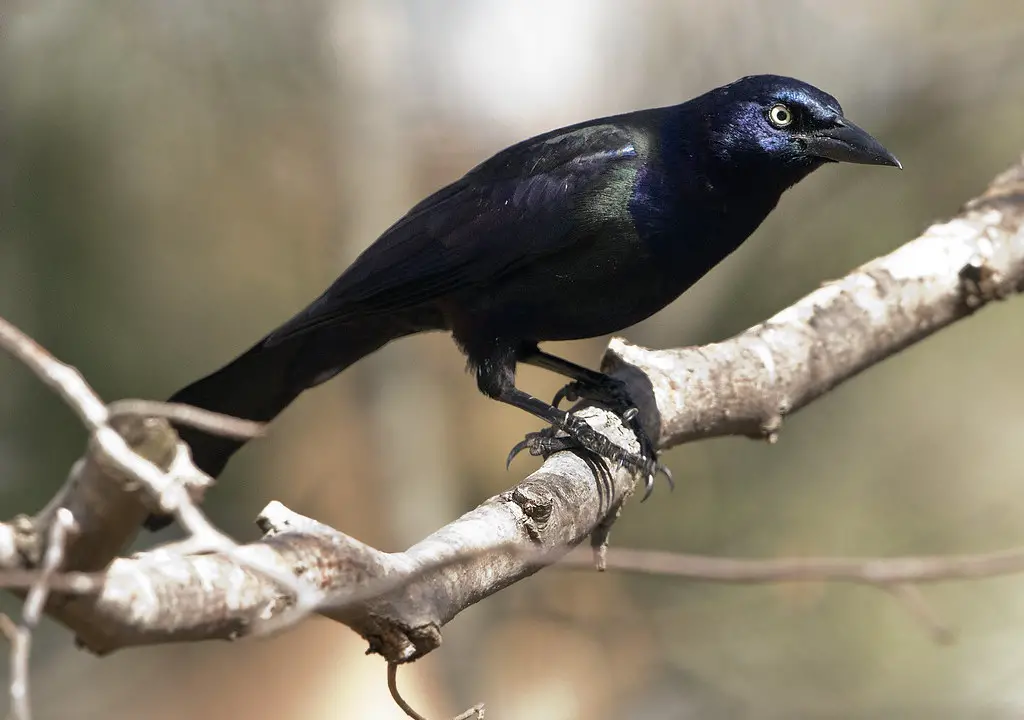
(780, 116)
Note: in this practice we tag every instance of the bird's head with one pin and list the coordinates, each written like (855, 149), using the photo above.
(784, 120)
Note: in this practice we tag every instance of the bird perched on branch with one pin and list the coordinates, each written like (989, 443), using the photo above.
(574, 233)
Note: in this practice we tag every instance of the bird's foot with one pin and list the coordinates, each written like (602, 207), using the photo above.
(595, 449)
(613, 393)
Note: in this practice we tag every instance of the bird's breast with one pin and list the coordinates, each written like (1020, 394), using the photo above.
(688, 224)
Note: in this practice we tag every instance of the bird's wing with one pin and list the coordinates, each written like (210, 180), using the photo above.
(509, 210)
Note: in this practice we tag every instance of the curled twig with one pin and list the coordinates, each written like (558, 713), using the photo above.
(477, 711)
(397, 696)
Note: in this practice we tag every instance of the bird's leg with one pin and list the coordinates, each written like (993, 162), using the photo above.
(596, 449)
(587, 383)
(597, 386)
(496, 379)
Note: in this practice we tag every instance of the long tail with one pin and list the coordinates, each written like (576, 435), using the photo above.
(264, 380)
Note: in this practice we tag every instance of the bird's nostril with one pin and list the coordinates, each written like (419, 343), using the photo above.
(801, 144)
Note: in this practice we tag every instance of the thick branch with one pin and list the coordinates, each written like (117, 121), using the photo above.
(397, 601)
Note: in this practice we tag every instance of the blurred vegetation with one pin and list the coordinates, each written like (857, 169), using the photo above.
(180, 176)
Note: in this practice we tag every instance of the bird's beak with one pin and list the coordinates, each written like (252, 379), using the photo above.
(848, 143)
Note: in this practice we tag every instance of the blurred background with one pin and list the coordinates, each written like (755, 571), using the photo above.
(179, 177)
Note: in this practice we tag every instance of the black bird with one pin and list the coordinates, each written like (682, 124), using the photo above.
(575, 233)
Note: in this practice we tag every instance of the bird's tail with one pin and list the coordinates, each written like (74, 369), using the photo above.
(261, 382)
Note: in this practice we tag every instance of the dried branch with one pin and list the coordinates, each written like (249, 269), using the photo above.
(899, 576)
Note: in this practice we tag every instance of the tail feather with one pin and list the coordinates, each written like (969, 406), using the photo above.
(257, 386)
(261, 382)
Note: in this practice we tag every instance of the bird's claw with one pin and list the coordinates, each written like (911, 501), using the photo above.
(652, 474)
(614, 394)
(524, 444)
(569, 392)
(595, 449)
(649, 452)
(594, 453)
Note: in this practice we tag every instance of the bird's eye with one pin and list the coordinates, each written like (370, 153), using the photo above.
(780, 116)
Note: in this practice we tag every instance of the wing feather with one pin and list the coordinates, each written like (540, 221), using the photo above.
(505, 212)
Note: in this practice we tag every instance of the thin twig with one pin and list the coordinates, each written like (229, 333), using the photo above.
(477, 711)
(205, 420)
(873, 571)
(66, 380)
(911, 597)
(70, 583)
(21, 642)
(397, 696)
(19, 709)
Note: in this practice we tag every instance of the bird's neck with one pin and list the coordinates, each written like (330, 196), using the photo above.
(735, 194)
(692, 209)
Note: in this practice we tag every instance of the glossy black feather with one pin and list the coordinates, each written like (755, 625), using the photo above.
(471, 232)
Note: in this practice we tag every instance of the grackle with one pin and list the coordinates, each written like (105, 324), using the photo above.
(575, 233)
